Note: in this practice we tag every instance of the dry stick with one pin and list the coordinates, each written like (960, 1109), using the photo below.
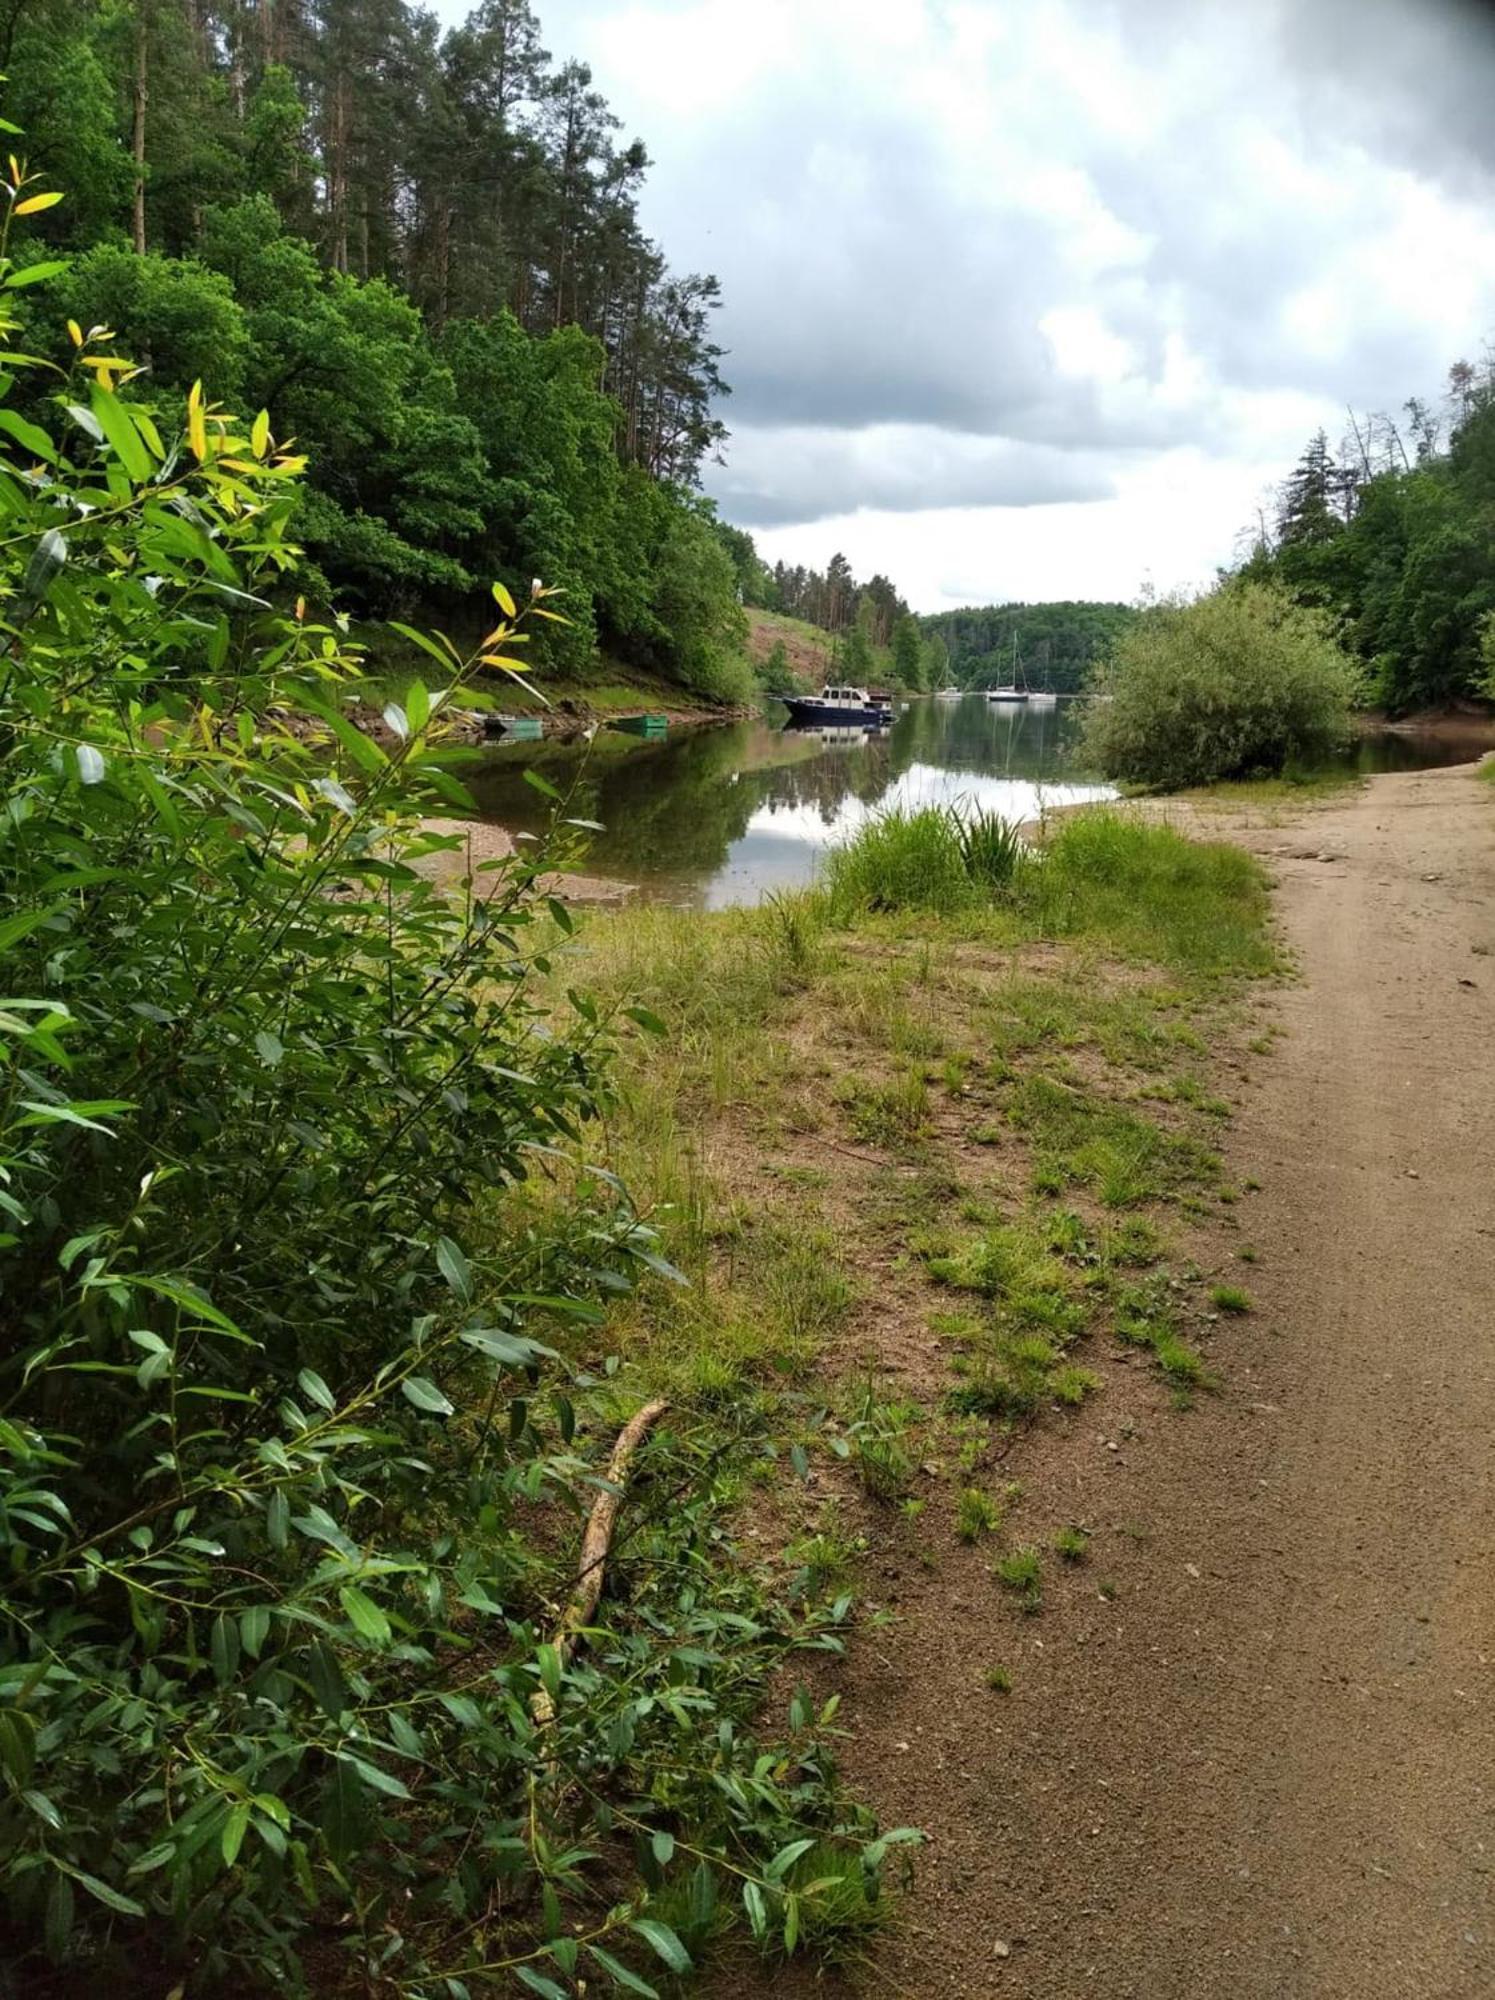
(595, 1544)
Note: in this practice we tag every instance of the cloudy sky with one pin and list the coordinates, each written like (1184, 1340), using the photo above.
(1034, 298)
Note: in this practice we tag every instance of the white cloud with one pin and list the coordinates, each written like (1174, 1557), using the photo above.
(1020, 251)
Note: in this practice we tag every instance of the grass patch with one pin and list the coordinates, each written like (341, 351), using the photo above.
(879, 1443)
(1292, 787)
(976, 1514)
(894, 1114)
(1230, 1299)
(1072, 1544)
(1081, 1139)
(998, 1679)
(901, 860)
(1021, 1572)
(1146, 892)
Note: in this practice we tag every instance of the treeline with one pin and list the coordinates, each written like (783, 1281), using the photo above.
(1393, 534)
(1048, 645)
(830, 598)
(421, 252)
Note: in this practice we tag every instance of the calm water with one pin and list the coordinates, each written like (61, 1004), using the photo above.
(728, 814)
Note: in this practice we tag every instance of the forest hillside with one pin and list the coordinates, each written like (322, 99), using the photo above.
(420, 249)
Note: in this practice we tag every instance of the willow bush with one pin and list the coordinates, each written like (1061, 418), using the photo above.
(300, 1404)
(1238, 683)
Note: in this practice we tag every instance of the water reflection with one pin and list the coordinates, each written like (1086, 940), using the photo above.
(729, 814)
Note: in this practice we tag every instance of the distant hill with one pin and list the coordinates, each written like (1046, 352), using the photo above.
(1056, 645)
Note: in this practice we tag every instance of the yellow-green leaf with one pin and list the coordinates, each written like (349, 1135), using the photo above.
(35, 203)
(505, 601)
(197, 428)
(115, 423)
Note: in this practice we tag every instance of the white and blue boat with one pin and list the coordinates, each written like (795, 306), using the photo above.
(838, 706)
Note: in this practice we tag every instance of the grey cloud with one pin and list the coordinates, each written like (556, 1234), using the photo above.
(775, 477)
(869, 286)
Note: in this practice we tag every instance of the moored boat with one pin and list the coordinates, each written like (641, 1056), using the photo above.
(1010, 694)
(837, 705)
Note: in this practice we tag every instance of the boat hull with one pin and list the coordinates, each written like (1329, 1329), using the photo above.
(805, 712)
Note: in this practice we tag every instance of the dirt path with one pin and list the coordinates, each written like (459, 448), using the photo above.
(1260, 1762)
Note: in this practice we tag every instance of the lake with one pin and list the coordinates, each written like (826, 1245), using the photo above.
(730, 813)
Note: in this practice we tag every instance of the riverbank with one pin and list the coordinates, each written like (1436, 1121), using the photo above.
(947, 1189)
(1146, 1294)
(1139, 1296)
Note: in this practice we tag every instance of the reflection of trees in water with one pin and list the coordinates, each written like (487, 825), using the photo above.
(676, 807)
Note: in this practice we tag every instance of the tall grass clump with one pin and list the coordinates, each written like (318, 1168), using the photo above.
(990, 847)
(935, 858)
(901, 860)
(300, 1400)
(1239, 683)
(1141, 888)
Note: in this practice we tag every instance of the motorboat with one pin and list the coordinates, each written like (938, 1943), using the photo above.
(838, 705)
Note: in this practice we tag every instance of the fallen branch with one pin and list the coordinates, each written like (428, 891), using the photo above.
(595, 1545)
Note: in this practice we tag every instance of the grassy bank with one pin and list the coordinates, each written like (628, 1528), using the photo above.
(933, 1160)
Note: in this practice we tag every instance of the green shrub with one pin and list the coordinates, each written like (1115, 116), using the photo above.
(292, 1452)
(1239, 682)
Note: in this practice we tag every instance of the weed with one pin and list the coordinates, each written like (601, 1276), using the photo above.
(1071, 1385)
(1144, 1319)
(1009, 1379)
(973, 1442)
(1184, 1365)
(1013, 1266)
(1248, 1253)
(1105, 1590)
(1072, 1544)
(998, 1679)
(793, 926)
(977, 1514)
(877, 1437)
(1133, 1243)
(1067, 1235)
(892, 1114)
(824, 1560)
(1021, 1572)
(1230, 1299)
(836, 1907)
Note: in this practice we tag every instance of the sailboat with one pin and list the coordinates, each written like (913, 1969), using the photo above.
(1011, 693)
(1043, 697)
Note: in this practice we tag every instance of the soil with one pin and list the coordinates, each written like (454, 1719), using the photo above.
(1249, 1749)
